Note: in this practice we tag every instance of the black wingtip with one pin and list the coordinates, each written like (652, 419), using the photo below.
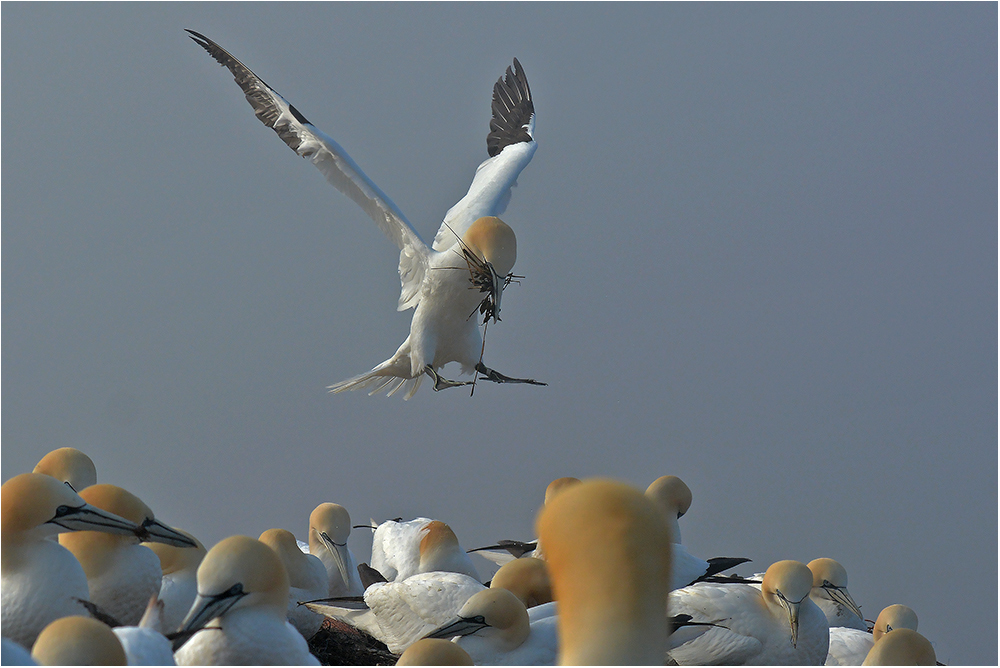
(512, 110)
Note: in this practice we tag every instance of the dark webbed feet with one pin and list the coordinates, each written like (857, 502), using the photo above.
(497, 377)
(442, 383)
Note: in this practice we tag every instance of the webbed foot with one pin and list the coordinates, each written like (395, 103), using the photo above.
(497, 377)
(442, 383)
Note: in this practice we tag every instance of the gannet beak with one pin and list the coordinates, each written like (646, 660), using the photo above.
(205, 609)
(153, 531)
(843, 597)
(460, 626)
(92, 518)
(496, 291)
(338, 556)
(792, 607)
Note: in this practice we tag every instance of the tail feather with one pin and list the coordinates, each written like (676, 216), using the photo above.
(383, 376)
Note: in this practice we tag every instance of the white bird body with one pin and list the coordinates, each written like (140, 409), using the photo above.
(403, 549)
(144, 646)
(179, 582)
(745, 625)
(848, 647)
(435, 280)
(409, 609)
(49, 584)
(250, 637)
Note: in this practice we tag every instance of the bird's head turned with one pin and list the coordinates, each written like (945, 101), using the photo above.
(493, 241)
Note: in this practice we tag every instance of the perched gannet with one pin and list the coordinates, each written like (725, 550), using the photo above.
(70, 466)
(777, 624)
(434, 652)
(145, 644)
(674, 497)
(526, 578)
(42, 580)
(507, 550)
(307, 580)
(830, 593)
(402, 549)
(243, 587)
(902, 647)
(493, 627)
(473, 252)
(121, 574)
(608, 552)
(78, 641)
(179, 584)
(329, 529)
(849, 647)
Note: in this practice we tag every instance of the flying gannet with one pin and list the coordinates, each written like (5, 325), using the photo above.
(469, 263)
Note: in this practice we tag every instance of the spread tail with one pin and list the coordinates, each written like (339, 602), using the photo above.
(390, 375)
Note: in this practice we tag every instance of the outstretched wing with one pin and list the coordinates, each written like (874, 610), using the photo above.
(510, 144)
(338, 168)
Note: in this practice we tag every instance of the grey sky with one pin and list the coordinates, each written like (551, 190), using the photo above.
(759, 247)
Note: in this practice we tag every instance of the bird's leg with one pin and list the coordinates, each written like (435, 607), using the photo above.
(497, 377)
(442, 383)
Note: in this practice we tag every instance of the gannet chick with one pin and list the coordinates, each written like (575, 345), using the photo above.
(78, 641)
(329, 529)
(434, 652)
(493, 627)
(830, 593)
(402, 549)
(307, 580)
(121, 574)
(145, 644)
(472, 249)
(527, 578)
(239, 616)
(70, 466)
(506, 551)
(902, 647)
(849, 647)
(777, 624)
(608, 552)
(42, 580)
(179, 583)
(673, 497)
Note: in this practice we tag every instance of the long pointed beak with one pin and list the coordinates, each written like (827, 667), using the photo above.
(843, 597)
(92, 518)
(339, 555)
(496, 292)
(460, 626)
(205, 609)
(792, 607)
(154, 531)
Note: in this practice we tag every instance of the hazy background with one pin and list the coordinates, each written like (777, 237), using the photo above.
(759, 246)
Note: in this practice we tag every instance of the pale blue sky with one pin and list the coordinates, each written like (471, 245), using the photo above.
(759, 247)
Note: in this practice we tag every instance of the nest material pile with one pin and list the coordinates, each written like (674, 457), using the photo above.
(339, 644)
